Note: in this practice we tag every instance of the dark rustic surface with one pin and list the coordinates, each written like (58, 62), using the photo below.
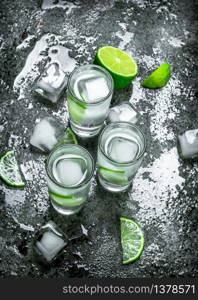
(164, 195)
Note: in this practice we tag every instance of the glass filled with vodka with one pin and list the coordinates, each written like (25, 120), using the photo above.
(121, 149)
(90, 89)
(69, 170)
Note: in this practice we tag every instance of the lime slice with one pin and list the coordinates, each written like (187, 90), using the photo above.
(68, 138)
(10, 171)
(114, 176)
(132, 240)
(66, 200)
(159, 77)
(122, 67)
(76, 110)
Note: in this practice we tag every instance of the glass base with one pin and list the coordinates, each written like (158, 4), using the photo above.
(66, 211)
(85, 132)
(112, 187)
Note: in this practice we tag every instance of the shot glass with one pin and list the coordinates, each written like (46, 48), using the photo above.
(90, 89)
(120, 153)
(69, 172)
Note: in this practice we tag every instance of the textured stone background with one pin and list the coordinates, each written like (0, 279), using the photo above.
(164, 195)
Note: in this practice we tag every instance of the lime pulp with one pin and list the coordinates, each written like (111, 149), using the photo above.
(132, 240)
(10, 171)
(122, 67)
(159, 77)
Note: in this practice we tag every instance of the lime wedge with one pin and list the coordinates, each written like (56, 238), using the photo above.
(10, 171)
(68, 138)
(114, 176)
(132, 240)
(66, 200)
(159, 77)
(122, 67)
(76, 110)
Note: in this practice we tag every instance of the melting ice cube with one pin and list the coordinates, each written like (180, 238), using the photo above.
(51, 241)
(123, 112)
(70, 171)
(189, 143)
(123, 150)
(47, 133)
(49, 4)
(60, 55)
(92, 88)
(52, 83)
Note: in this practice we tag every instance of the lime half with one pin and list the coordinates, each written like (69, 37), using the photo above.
(159, 77)
(114, 176)
(122, 67)
(10, 170)
(132, 240)
(76, 110)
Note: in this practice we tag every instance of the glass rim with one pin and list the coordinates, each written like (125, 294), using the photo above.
(110, 159)
(85, 181)
(100, 99)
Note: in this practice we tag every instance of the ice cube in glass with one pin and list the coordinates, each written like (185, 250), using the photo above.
(93, 89)
(70, 171)
(122, 150)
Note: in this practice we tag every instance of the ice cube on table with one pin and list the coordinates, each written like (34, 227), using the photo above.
(51, 83)
(189, 143)
(69, 171)
(124, 112)
(91, 89)
(47, 133)
(50, 242)
(50, 245)
(123, 150)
